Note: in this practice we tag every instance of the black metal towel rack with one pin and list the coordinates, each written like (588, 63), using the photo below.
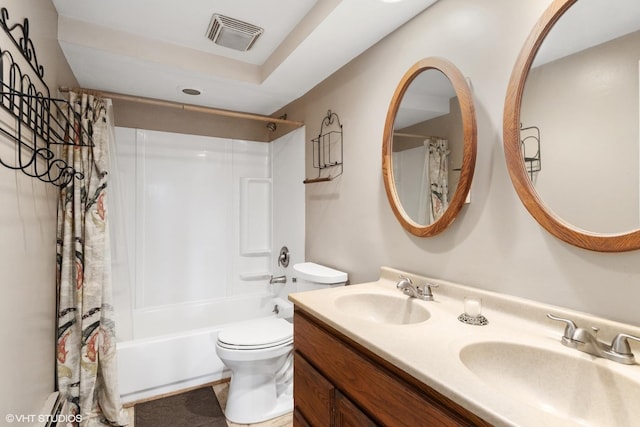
(327, 149)
(30, 117)
(530, 141)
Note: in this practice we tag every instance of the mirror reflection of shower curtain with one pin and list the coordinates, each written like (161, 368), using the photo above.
(437, 168)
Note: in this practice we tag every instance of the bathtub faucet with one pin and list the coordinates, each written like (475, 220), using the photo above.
(278, 279)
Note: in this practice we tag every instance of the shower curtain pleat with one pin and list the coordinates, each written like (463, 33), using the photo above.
(424, 207)
(438, 157)
(86, 344)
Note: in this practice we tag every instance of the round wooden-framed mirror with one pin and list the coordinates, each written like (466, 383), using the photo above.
(432, 114)
(566, 36)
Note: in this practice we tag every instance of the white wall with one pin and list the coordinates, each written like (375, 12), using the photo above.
(494, 244)
(28, 244)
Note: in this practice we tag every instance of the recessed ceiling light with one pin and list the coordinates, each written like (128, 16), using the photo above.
(191, 91)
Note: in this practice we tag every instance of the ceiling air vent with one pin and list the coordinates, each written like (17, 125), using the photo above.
(229, 32)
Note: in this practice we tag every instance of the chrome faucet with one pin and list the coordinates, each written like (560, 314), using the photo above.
(278, 279)
(408, 288)
(587, 341)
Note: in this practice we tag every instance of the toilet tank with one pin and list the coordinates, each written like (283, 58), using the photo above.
(311, 276)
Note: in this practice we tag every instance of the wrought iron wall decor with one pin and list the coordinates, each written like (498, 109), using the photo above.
(327, 149)
(30, 117)
(530, 140)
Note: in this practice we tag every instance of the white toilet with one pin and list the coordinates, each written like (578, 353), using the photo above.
(259, 354)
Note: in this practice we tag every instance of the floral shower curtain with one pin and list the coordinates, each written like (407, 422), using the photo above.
(86, 345)
(438, 157)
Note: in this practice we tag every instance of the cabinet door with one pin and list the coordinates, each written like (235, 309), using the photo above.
(349, 415)
(299, 420)
(313, 394)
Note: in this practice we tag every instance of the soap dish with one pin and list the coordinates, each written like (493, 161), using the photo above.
(473, 320)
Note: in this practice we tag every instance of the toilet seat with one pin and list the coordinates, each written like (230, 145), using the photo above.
(256, 335)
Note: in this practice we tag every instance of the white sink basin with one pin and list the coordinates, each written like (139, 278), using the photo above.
(383, 308)
(571, 387)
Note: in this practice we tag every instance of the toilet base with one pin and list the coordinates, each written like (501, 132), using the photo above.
(256, 402)
(261, 386)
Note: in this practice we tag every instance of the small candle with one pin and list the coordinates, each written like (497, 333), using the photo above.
(472, 306)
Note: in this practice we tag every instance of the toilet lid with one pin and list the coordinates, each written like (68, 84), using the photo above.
(257, 334)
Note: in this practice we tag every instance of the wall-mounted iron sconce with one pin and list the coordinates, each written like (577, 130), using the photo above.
(530, 140)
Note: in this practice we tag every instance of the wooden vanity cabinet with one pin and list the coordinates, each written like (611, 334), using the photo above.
(347, 414)
(314, 396)
(338, 382)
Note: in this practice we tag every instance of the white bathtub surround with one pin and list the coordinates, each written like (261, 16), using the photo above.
(512, 372)
(203, 233)
(287, 174)
(255, 218)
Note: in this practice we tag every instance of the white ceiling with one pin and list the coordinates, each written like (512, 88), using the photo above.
(428, 96)
(155, 48)
(583, 26)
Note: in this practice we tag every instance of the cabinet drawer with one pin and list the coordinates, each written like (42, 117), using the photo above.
(314, 395)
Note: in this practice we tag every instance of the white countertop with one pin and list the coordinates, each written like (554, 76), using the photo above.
(429, 350)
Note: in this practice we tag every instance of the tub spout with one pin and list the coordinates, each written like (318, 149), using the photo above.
(278, 279)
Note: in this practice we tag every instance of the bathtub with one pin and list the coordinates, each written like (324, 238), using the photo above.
(174, 346)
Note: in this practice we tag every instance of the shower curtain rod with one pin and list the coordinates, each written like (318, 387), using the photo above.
(185, 107)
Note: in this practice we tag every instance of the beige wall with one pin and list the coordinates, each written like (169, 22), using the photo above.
(594, 93)
(28, 244)
(169, 119)
(494, 244)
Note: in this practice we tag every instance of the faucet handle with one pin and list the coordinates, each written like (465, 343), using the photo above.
(426, 293)
(570, 327)
(403, 280)
(429, 285)
(620, 344)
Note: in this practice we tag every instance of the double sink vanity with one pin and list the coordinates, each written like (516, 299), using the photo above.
(380, 354)
(369, 354)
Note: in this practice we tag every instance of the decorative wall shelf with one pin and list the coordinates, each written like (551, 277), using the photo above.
(30, 118)
(327, 150)
(530, 139)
